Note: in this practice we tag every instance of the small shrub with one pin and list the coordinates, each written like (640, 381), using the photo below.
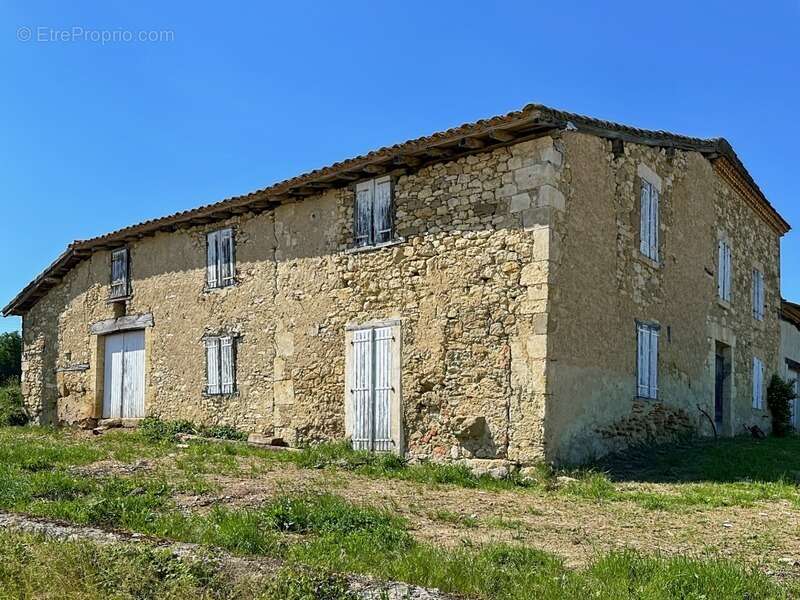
(155, 429)
(223, 432)
(12, 408)
(780, 394)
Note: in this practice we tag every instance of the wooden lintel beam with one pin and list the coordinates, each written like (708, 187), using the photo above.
(501, 135)
(374, 169)
(471, 143)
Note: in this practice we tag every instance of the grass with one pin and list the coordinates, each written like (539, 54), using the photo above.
(324, 533)
(32, 566)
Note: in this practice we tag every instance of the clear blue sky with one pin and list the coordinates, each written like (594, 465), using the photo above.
(97, 136)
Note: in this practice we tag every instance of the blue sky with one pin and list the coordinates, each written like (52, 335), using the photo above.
(95, 136)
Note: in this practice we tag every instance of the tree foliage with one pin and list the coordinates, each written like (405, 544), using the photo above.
(10, 356)
(780, 394)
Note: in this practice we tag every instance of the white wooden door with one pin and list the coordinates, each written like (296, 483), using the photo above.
(371, 389)
(123, 389)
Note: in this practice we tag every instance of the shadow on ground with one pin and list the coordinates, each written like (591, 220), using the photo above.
(726, 460)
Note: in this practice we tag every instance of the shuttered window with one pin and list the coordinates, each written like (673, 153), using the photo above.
(373, 212)
(758, 295)
(119, 273)
(648, 233)
(647, 361)
(371, 389)
(220, 258)
(724, 271)
(758, 383)
(220, 365)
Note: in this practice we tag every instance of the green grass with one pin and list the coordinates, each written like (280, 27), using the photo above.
(323, 532)
(731, 472)
(34, 567)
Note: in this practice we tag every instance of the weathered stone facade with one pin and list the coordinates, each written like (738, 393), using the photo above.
(602, 285)
(517, 281)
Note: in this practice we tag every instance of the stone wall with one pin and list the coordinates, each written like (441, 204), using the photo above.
(467, 278)
(602, 285)
(516, 277)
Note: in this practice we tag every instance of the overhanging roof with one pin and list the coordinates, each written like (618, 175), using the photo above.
(532, 121)
(790, 312)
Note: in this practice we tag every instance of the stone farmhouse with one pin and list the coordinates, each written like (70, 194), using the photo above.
(538, 285)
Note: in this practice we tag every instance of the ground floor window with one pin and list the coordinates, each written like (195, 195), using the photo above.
(220, 364)
(758, 383)
(647, 360)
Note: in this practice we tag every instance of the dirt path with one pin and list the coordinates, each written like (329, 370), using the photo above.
(251, 567)
(766, 535)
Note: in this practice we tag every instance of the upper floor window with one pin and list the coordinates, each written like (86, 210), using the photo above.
(648, 231)
(724, 271)
(220, 364)
(120, 267)
(647, 360)
(220, 270)
(373, 212)
(758, 295)
(758, 383)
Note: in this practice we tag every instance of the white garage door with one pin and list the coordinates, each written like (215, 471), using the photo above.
(123, 391)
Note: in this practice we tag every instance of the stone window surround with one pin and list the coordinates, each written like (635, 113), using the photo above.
(397, 407)
(647, 174)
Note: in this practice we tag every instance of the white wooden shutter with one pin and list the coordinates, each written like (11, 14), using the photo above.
(212, 365)
(362, 221)
(119, 272)
(758, 295)
(758, 383)
(724, 271)
(648, 229)
(642, 357)
(653, 363)
(225, 258)
(382, 211)
(654, 222)
(382, 392)
(728, 272)
(647, 361)
(361, 389)
(644, 229)
(212, 278)
(227, 370)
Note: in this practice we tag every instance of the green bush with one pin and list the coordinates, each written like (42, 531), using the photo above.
(12, 409)
(223, 432)
(155, 429)
(10, 356)
(780, 394)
